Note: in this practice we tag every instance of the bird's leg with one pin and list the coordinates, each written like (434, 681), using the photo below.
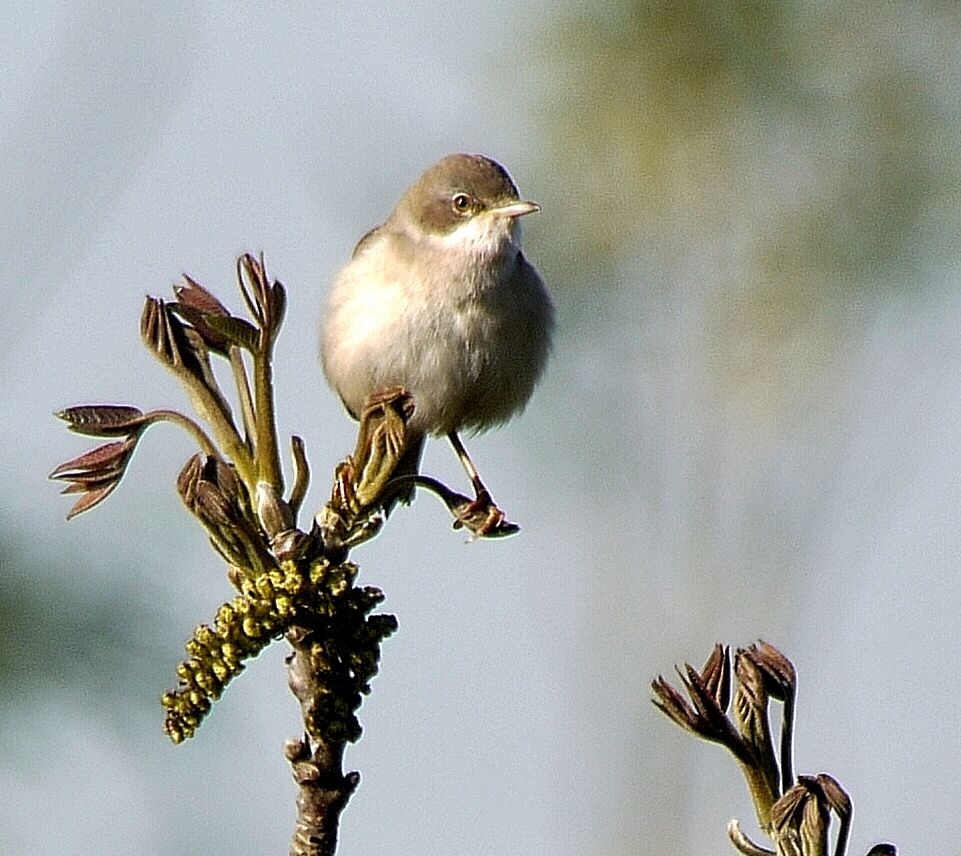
(480, 489)
(483, 519)
(480, 515)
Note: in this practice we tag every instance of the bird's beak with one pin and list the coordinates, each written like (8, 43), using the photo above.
(516, 209)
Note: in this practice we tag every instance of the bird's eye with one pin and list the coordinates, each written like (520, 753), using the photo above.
(461, 203)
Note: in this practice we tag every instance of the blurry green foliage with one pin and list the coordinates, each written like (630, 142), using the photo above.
(827, 129)
(772, 168)
(57, 633)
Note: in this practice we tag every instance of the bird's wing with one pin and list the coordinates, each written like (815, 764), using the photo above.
(366, 240)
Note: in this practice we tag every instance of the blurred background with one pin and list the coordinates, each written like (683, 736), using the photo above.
(751, 426)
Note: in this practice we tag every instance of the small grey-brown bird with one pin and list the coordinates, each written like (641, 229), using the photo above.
(441, 301)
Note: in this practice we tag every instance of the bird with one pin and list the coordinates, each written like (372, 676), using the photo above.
(440, 301)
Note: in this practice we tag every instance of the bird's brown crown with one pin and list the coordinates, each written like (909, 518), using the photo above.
(458, 187)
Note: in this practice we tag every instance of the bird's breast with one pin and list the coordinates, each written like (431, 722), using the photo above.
(446, 325)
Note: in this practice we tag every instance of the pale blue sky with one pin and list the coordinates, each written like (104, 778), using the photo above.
(659, 515)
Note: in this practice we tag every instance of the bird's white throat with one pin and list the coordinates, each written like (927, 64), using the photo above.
(483, 236)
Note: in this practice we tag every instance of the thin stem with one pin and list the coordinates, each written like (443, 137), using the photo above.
(787, 743)
(842, 846)
(844, 832)
(301, 474)
(211, 409)
(243, 393)
(174, 417)
(268, 457)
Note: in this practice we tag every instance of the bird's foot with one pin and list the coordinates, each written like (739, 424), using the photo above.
(482, 517)
(479, 516)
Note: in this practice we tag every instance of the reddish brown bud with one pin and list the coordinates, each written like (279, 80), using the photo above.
(102, 420)
(95, 474)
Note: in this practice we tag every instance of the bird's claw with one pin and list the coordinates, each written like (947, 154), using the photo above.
(480, 516)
